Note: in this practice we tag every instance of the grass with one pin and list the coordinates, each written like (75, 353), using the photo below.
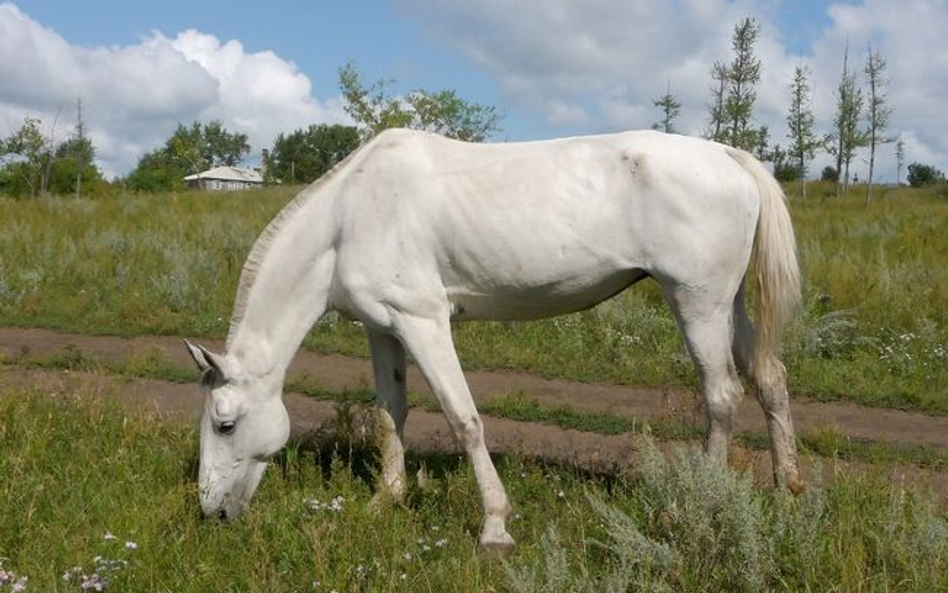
(100, 492)
(874, 329)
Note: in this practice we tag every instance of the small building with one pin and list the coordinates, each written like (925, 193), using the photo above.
(225, 179)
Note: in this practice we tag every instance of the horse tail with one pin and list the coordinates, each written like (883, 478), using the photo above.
(778, 271)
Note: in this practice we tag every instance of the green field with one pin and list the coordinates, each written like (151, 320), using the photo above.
(93, 493)
(96, 493)
(874, 327)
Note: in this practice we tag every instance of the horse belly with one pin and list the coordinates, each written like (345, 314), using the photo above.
(523, 295)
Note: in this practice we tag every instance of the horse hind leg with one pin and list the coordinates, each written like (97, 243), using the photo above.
(388, 367)
(707, 331)
(770, 383)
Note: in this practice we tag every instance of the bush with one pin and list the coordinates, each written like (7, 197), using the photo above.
(920, 175)
(829, 174)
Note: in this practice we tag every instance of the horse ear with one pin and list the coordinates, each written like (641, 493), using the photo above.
(211, 365)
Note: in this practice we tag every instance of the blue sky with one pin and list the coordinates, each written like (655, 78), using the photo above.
(554, 67)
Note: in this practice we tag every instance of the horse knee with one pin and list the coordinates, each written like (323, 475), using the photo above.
(722, 403)
(469, 430)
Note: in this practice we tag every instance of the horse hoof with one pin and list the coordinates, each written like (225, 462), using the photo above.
(385, 499)
(796, 486)
(501, 545)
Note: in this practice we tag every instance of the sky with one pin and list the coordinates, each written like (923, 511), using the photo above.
(552, 67)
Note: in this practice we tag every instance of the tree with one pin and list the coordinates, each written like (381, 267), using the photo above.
(219, 147)
(190, 149)
(305, 155)
(74, 162)
(743, 74)
(846, 136)
(442, 112)
(899, 160)
(447, 114)
(785, 169)
(733, 95)
(26, 154)
(920, 175)
(156, 171)
(877, 112)
(670, 109)
(800, 125)
(716, 127)
(204, 146)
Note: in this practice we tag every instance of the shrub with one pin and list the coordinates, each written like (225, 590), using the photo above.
(697, 527)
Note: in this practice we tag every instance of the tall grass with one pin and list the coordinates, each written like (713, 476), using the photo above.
(874, 328)
(132, 264)
(97, 494)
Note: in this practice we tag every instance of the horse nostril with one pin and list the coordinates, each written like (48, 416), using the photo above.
(222, 514)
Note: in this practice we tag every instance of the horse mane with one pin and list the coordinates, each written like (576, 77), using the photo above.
(251, 267)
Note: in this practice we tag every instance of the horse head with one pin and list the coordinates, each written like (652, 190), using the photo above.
(243, 424)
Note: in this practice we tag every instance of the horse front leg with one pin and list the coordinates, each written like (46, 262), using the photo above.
(428, 339)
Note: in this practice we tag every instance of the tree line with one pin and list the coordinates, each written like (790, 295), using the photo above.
(33, 162)
(861, 120)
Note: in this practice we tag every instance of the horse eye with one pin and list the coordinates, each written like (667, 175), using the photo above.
(226, 427)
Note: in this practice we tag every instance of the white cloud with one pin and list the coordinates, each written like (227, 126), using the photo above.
(609, 60)
(614, 56)
(134, 96)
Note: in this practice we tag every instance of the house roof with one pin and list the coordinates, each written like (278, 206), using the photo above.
(228, 174)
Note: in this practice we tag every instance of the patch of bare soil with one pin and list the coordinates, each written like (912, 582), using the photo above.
(427, 432)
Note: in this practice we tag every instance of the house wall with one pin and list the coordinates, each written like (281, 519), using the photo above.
(225, 185)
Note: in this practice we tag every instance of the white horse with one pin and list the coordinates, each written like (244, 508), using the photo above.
(414, 230)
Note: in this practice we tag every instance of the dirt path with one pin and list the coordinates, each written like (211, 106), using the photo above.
(339, 373)
(427, 432)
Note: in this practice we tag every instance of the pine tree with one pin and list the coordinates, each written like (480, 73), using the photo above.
(800, 124)
(670, 110)
(743, 74)
(899, 160)
(733, 94)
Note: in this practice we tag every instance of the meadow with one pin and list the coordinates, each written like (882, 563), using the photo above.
(100, 497)
(874, 327)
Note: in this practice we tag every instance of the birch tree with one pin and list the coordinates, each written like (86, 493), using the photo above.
(846, 136)
(877, 112)
(716, 126)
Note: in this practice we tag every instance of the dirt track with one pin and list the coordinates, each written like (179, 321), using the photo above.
(427, 432)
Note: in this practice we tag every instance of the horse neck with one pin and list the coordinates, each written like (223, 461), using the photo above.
(284, 288)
